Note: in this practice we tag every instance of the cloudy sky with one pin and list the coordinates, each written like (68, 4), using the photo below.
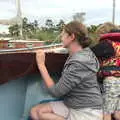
(97, 11)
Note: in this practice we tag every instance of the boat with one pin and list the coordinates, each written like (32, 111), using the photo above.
(21, 85)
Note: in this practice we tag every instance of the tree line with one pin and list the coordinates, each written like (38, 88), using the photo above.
(32, 30)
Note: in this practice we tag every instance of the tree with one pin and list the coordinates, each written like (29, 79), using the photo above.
(14, 30)
(60, 25)
(49, 23)
(79, 17)
(92, 28)
(28, 29)
(35, 23)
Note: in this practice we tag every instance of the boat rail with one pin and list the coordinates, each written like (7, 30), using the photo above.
(47, 48)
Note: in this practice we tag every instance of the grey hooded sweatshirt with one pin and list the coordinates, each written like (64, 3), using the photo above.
(78, 84)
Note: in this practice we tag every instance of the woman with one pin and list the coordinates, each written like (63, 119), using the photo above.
(78, 84)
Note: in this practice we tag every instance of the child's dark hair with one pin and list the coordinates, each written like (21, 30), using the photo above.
(80, 32)
(114, 31)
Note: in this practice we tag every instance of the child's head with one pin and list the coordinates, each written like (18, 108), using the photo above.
(105, 28)
(75, 32)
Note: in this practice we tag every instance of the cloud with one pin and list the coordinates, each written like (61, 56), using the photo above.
(41, 9)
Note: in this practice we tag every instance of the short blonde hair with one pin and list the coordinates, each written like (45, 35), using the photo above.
(105, 28)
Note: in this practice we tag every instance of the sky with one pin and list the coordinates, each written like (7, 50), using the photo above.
(97, 11)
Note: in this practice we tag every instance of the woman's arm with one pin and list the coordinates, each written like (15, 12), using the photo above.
(40, 58)
(71, 77)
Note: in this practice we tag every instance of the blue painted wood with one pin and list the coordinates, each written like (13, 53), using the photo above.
(18, 96)
(36, 92)
(12, 99)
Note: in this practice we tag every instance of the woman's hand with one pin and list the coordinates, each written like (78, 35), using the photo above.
(40, 57)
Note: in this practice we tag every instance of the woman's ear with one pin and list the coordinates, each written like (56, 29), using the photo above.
(72, 37)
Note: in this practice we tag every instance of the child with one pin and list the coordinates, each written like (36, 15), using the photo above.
(108, 52)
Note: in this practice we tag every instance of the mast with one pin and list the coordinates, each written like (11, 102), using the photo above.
(19, 17)
(114, 7)
(19, 13)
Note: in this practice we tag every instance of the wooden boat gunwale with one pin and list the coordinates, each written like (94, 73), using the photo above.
(29, 49)
(15, 63)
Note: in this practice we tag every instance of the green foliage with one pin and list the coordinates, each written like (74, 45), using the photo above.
(93, 38)
(47, 36)
(49, 24)
(49, 33)
(60, 25)
(92, 28)
(14, 30)
(92, 34)
(28, 29)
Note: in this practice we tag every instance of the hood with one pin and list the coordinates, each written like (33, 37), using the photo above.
(87, 58)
